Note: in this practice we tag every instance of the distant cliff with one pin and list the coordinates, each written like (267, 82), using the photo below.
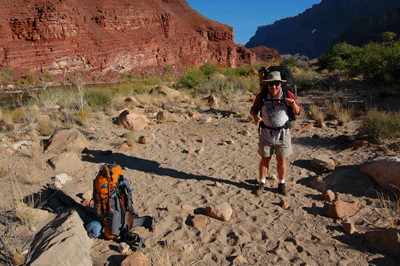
(311, 33)
(97, 36)
(366, 29)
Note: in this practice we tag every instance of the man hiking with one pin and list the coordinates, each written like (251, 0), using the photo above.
(274, 137)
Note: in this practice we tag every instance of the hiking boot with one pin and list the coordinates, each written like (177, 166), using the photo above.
(282, 189)
(260, 189)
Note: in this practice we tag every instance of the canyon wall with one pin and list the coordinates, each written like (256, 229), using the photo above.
(312, 32)
(97, 36)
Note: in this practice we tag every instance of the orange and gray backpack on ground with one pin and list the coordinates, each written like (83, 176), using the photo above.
(113, 206)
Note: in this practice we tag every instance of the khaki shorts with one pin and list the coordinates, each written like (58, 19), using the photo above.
(282, 148)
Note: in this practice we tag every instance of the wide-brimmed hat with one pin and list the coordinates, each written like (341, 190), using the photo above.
(274, 76)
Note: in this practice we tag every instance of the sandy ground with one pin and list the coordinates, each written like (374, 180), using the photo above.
(166, 177)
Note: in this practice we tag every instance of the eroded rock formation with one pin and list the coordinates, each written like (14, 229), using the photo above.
(97, 36)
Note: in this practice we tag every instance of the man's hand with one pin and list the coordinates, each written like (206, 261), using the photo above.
(257, 119)
(290, 102)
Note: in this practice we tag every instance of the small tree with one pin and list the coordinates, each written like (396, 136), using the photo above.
(388, 36)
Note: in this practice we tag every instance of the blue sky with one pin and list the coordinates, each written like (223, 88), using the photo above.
(246, 16)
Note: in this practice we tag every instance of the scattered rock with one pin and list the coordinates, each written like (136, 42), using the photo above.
(168, 92)
(339, 209)
(358, 144)
(133, 119)
(222, 212)
(323, 163)
(70, 140)
(123, 248)
(64, 241)
(217, 184)
(191, 150)
(137, 258)
(272, 177)
(246, 133)
(321, 125)
(349, 228)
(307, 126)
(384, 170)
(328, 195)
(285, 205)
(212, 101)
(66, 163)
(193, 115)
(200, 151)
(386, 240)
(186, 207)
(239, 260)
(200, 220)
(132, 100)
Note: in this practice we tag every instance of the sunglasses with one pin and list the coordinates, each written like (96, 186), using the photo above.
(276, 84)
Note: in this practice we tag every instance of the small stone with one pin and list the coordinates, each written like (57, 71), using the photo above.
(222, 212)
(191, 150)
(239, 260)
(200, 151)
(328, 195)
(202, 140)
(123, 248)
(230, 142)
(224, 143)
(217, 184)
(137, 258)
(272, 177)
(186, 207)
(246, 133)
(200, 220)
(285, 205)
(87, 195)
(349, 228)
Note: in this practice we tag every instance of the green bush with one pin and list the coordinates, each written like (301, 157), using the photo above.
(98, 98)
(5, 76)
(168, 69)
(381, 125)
(192, 77)
(209, 69)
(373, 60)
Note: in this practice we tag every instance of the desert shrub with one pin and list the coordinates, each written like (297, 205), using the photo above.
(128, 76)
(316, 113)
(289, 62)
(209, 69)
(373, 60)
(3, 168)
(168, 69)
(306, 79)
(46, 76)
(98, 99)
(345, 115)
(17, 114)
(381, 125)
(152, 81)
(5, 76)
(192, 77)
(45, 127)
(82, 117)
(29, 78)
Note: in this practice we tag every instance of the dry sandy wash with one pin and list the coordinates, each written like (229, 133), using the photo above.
(166, 177)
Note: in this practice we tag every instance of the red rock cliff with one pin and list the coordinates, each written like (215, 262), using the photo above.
(64, 36)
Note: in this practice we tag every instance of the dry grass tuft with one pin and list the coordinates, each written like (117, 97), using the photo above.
(390, 208)
(316, 113)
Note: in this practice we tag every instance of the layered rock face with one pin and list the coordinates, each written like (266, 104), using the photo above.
(265, 53)
(63, 36)
(366, 29)
(311, 33)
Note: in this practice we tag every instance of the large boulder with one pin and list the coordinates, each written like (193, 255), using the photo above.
(384, 170)
(64, 241)
(67, 162)
(133, 119)
(70, 140)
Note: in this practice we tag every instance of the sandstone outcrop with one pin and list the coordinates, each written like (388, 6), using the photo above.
(265, 53)
(111, 36)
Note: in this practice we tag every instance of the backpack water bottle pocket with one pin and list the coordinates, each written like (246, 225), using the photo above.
(114, 222)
